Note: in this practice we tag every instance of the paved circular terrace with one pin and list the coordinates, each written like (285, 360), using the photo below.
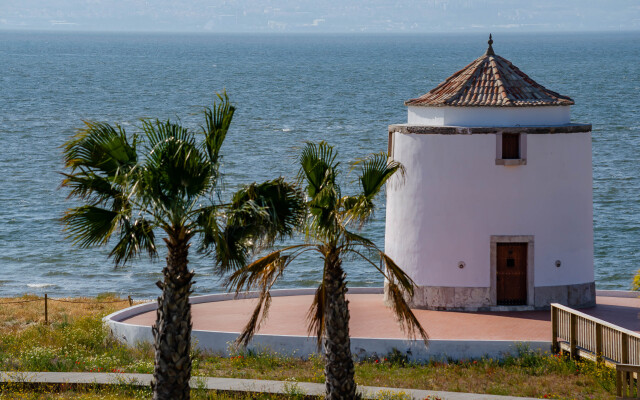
(372, 323)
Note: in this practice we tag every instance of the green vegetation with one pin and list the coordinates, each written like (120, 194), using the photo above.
(635, 284)
(77, 341)
(22, 391)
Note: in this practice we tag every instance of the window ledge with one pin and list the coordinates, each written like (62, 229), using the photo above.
(506, 162)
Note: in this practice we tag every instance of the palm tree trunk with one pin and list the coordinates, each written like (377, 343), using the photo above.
(338, 370)
(172, 330)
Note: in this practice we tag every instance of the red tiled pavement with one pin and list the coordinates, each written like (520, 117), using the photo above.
(371, 319)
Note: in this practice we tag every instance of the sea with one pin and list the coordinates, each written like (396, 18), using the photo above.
(288, 89)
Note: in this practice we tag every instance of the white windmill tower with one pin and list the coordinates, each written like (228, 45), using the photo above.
(495, 211)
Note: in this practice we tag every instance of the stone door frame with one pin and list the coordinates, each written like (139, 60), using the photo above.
(495, 239)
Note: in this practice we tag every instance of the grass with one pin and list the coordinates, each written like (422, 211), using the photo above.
(75, 340)
(27, 391)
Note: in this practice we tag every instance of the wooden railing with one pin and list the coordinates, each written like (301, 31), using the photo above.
(627, 382)
(585, 336)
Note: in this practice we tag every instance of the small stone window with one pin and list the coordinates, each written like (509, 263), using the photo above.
(511, 149)
(510, 146)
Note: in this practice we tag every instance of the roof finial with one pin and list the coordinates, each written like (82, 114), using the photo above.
(490, 49)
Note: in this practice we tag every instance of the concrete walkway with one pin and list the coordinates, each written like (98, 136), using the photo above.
(230, 384)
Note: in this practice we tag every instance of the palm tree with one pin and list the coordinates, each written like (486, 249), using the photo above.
(327, 226)
(165, 179)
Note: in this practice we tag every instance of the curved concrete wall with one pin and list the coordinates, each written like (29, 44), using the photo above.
(303, 346)
(489, 116)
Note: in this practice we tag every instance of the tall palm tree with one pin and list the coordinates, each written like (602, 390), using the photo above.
(164, 179)
(330, 217)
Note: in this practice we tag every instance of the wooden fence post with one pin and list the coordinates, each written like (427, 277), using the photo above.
(599, 357)
(573, 338)
(627, 386)
(624, 348)
(130, 300)
(555, 349)
(46, 310)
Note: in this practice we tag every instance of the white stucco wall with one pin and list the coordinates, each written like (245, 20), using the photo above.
(489, 116)
(455, 197)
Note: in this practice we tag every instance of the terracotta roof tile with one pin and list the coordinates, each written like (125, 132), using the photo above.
(490, 80)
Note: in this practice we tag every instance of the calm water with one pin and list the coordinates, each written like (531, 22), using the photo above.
(288, 89)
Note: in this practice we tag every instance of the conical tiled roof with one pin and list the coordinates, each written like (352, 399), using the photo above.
(490, 81)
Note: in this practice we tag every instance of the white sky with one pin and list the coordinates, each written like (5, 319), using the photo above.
(338, 16)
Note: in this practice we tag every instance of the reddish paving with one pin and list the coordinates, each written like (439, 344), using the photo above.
(371, 319)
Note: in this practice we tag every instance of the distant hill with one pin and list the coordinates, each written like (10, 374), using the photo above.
(336, 16)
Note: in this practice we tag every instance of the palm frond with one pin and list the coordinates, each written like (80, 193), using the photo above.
(318, 169)
(259, 214)
(258, 316)
(407, 283)
(212, 240)
(357, 208)
(279, 203)
(259, 273)
(102, 148)
(316, 314)
(407, 320)
(89, 225)
(176, 171)
(352, 238)
(104, 172)
(395, 273)
(324, 207)
(265, 270)
(135, 238)
(399, 286)
(231, 251)
(92, 187)
(217, 122)
(375, 171)
(158, 132)
(102, 162)
(359, 244)
(262, 274)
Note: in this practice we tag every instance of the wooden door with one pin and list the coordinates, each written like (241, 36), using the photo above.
(511, 271)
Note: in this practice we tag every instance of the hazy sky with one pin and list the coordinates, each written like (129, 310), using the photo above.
(321, 15)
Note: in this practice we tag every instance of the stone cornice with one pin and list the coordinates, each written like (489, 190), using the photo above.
(463, 130)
